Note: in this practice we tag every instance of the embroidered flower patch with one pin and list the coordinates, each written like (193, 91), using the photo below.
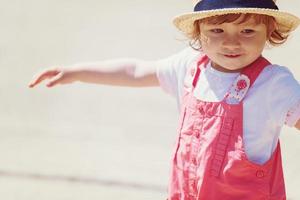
(241, 84)
(238, 89)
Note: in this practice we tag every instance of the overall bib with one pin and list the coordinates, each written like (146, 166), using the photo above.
(209, 161)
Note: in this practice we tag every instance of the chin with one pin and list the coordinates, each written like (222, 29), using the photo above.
(233, 66)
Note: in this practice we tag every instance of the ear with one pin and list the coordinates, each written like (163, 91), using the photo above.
(273, 26)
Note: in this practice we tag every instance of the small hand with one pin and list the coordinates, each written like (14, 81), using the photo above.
(55, 76)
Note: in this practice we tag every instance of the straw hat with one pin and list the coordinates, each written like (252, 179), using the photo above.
(207, 8)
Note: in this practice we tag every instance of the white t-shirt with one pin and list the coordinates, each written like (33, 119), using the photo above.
(272, 101)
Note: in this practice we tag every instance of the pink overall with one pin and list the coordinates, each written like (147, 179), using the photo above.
(209, 161)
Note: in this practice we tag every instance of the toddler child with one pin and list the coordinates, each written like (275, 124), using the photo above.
(233, 101)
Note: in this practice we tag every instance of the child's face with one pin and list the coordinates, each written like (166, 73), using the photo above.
(233, 46)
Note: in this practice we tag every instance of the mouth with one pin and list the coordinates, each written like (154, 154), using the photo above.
(232, 55)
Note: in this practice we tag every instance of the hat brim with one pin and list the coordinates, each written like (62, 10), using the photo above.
(286, 22)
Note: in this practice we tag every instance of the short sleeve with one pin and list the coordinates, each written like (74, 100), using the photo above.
(284, 97)
(293, 115)
(171, 71)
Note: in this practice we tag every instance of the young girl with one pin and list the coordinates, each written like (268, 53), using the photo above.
(233, 101)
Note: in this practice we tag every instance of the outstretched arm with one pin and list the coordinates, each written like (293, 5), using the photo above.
(120, 72)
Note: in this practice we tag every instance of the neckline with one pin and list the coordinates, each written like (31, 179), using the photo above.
(219, 73)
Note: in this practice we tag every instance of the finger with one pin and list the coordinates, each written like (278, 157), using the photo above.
(42, 76)
(56, 80)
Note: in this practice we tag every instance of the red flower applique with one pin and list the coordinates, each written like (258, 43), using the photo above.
(241, 84)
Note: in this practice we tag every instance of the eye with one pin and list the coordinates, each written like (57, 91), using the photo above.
(217, 30)
(248, 31)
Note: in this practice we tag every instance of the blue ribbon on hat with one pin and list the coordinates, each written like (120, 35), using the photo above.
(221, 4)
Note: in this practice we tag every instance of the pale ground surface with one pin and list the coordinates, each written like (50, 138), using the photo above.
(96, 142)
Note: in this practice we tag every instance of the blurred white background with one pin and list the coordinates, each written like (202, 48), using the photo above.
(88, 141)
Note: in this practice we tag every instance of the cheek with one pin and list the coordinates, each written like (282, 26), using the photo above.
(209, 43)
(256, 43)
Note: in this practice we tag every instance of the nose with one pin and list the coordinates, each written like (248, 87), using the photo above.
(231, 41)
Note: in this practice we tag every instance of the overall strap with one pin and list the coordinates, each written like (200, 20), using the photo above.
(253, 70)
(202, 62)
(193, 72)
(245, 80)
